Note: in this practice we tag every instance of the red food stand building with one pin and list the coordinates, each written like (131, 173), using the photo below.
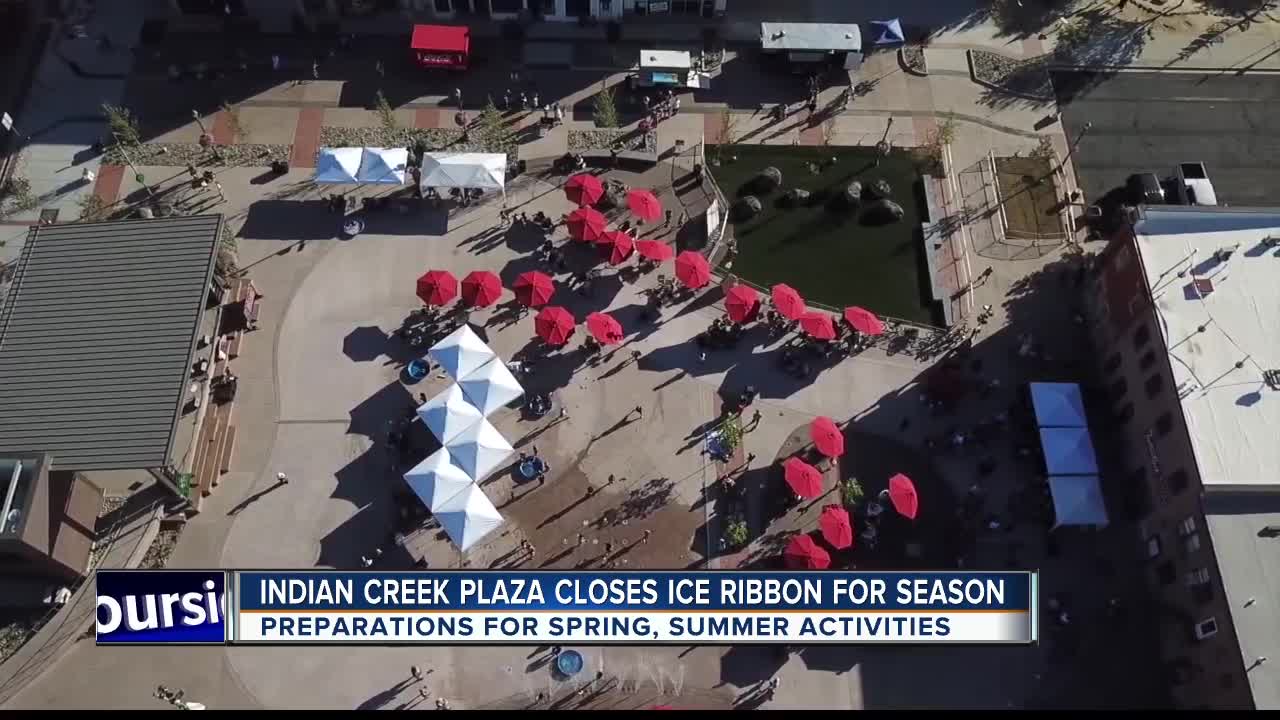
(441, 46)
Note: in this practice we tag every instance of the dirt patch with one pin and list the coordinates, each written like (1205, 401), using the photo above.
(1030, 194)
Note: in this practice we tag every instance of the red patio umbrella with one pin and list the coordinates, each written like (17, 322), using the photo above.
(788, 302)
(836, 527)
(654, 250)
(586, 224)
(437, 287)
(533, 288)
(644, 204)
(583, 190)
(902, 493)
(803, 553)
(864, 321)
(605, 328)
(554, 325)
(617, 245)
(818, 325)
(827, 437)
(481, 288)
(804, 479)
(692, 269)
(742, 302)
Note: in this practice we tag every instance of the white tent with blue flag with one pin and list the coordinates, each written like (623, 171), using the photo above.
(338, 166)
(887, 32)
(383, 166)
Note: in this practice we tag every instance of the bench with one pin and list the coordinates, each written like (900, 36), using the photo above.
(594, 157)
(228, 448)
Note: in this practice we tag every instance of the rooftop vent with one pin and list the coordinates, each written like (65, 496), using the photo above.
(1271, 378)
(1224, 254)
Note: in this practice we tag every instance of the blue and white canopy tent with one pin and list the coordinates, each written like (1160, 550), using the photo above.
(1058, 404)
(886, 33)
(1077, 500)
(338, 166)
(383, 166)
(1068, 451)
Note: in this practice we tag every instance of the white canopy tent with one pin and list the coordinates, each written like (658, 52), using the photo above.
(480, 449)
(461, 353)
(449, 413)
(437, 479)
(486, 171)
(338, 166)
(1077, 500)
(1068, 451)
(1058, 404)
(491, 386)
(383, 166)
(468, 517)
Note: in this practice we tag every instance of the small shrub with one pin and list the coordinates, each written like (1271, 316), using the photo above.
(122, 123)
(882, 212)
(767, 181)
(386, 115)
(881, 189)
(604, 107)
(851, 491)
(736, 533)
(92, 208)
(731, 433)
(794, 197)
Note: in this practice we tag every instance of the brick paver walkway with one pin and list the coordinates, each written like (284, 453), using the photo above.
(306, 138)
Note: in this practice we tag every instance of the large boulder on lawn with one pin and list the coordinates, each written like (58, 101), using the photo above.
(880, 189)
(746, 208)
(767, 181)
(795, 197)
(882, 212)
(851, 198)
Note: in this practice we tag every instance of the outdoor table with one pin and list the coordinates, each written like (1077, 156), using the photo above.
(353, 227)
(531, 468)
(569, 663)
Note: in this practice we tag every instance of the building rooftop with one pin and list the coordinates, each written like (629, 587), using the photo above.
(1249, 565)
(96, 339)
(1215, 281)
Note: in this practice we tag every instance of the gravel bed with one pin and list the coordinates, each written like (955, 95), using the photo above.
(437, 139)
(604, 140)
(161, 548)
(913, 59)
(182, 154)
(17, 627)
(1022, 77)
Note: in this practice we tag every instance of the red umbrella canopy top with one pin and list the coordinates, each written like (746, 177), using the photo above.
(437, 287)
(805, 480)
(818, 325)
(533, 288)
(803, 553)
(788, 302)
(481, 288)
(692, 269)
(654, 250)
(554, 325)
(586, 225)
(863, 320)
(902, 493)
(836, 527)
(644, 204)
(605, 328)
(584, 189)
(742, 303)
(827, 437)
(617, 245)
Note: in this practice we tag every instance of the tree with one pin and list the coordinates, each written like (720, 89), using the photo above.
(386, 115)
(493, 128)
(1044, 150)
(731, 433)
(728, 132)
(605, 110)
(851, 491)
(123, 125)
(736, 533)
(92, 207)
(226, 262)
(233, 122)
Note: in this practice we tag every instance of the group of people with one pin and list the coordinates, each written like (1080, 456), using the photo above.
(667, 106)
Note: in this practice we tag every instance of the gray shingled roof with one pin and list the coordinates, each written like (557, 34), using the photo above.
(97, 336)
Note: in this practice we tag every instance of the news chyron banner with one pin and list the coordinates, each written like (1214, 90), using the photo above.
(548, 607)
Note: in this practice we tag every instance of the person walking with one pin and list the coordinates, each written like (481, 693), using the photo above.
(667, 221)
(645, 539)
(275, 62)
(315, 69)
(639, 411)
(378, 68)
(416, 672)
(581, 539)
(282, 479)
(457, 96)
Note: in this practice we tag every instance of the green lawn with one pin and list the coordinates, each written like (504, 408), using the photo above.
(831, 257)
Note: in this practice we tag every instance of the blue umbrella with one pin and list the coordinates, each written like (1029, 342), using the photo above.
(887, 32)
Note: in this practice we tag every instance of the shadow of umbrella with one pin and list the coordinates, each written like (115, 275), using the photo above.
(364, 344)
(746, 665)
(371, 417)
(829, 658)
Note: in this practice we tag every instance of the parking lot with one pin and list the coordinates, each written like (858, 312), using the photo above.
(1150, 122)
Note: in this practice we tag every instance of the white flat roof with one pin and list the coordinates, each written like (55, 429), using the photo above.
(810, 36)
(664, 59)
(1221, 324)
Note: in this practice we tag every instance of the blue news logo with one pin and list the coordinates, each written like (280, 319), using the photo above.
(161, 606)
